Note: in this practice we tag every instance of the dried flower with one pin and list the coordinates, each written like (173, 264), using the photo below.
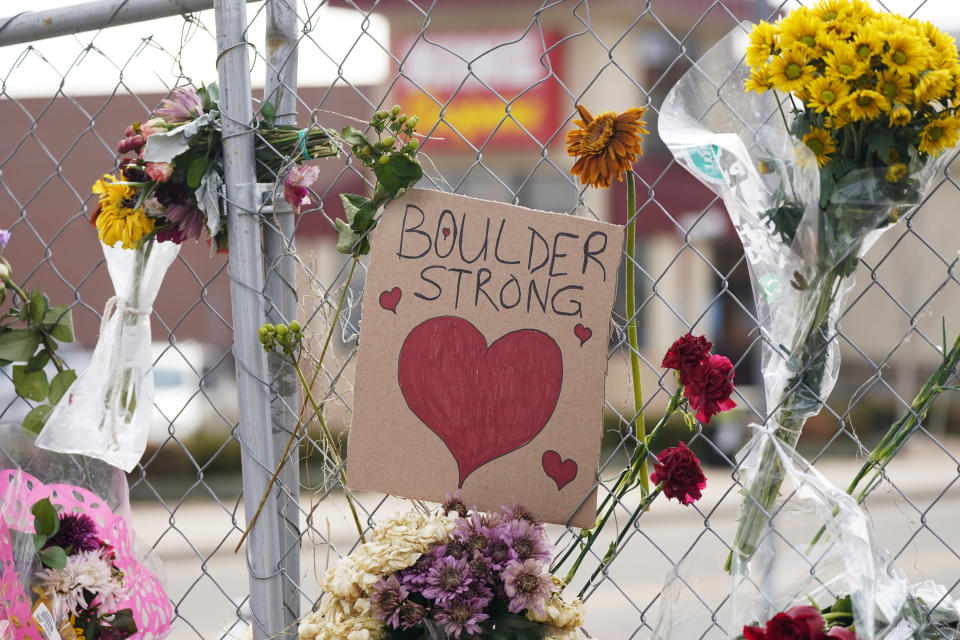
(559, 614)
(528, 585)
(116, 219)
(605, 146)
(526, 541)
(183, 105)
(159, 171)
(461, 614)
(454, 502)
(386, 600)
(77, 533)
(679, 473)
(296, 185)
(687, 354)
(709, 387)
(448, 577)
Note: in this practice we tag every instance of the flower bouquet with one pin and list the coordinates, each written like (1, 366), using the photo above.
(167, 191)
(453, 574)
(67, 564)
(833, 128)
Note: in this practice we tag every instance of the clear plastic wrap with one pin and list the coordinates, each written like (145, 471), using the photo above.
(76, 485)
(818, 546)
(106, 412)
(801, 245)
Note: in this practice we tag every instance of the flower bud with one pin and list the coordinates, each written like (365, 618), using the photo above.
(384, 160)
(387, 142)
(381, 115)
(413, 143)
(412, 122)
(402, 118)
(396, 110)
(282, 329)
(4, 272)
(294, 326)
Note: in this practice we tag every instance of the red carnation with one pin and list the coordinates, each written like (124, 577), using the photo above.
(679, 472)
(799, 623)
(708, 388)
(687, 354)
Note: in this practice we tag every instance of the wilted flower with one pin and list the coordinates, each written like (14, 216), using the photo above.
(605, 146)
(454, 502)
(461, 614)
(152, 126)
(387, 598)
(679, 473)
(296, 185)
(115, 217)
(183, 105)
(709, 387)
(448, 577)
(526, 541)
(159, 171)
(528, 586)
(188, 220)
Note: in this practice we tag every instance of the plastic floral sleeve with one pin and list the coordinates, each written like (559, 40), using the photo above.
(737, 144)
(107, 411)
(107, 505)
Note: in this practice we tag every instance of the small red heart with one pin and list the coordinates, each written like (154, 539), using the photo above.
(582, 332)
(446, 232)
(560, 471)
(390, 299)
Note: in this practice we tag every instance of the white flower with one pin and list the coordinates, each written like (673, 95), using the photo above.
(85, 571)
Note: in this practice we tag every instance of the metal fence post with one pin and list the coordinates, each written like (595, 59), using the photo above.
(246, 287)
(278, 247)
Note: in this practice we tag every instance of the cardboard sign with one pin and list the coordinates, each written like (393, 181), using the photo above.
(483, 349)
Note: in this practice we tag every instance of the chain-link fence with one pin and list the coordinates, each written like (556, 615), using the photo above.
(495, 85)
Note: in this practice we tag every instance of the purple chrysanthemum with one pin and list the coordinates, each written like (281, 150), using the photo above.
(454, 502)
(526, 541)
(189, 223)
(498, 550)
(414, 577)
(77, 533)
(455, 549)
(448, 578)
(482, 568)
(411, 614)
(461, 614)
(183, 105)
(517, 511)
(473, 533)
(528, 586)
(387, 600)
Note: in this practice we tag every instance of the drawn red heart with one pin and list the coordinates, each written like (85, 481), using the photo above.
(560, 471)
(582, 332)
(446, 232)
(390, 299)
(482, 402)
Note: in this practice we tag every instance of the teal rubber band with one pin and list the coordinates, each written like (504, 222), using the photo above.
(302, 142)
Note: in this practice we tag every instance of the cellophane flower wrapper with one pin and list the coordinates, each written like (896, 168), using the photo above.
(106, 413)
(818, 546)
(79, 485)
(738, 145)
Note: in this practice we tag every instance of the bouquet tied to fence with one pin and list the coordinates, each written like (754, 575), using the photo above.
(166, 192)
(833, 128)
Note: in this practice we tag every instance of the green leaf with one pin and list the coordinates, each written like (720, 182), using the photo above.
(18, 345)
(347, 237)
(39, 361)
(36, 418)
(38, 305)
(46, 520)
(268, 112)
(123, 621)
(31, 385)
(353, 136)
(360, 211)
(53, 557)
(399, 174)
(195, 173)
(58, 322)
(60, 383)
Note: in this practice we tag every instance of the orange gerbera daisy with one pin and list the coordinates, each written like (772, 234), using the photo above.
(605, 146)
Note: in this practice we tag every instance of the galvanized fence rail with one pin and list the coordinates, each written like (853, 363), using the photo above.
(65, 98)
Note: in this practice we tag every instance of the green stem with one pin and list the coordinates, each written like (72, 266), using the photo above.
(641, 426)
(626, 481)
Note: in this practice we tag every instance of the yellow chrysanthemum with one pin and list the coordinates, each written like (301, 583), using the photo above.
(867, 43)
(606, 146)
(943, 48)
(940, 133)
(804, 29)
(894, 86)
(905, 53)
(826, 93)
(900, 115)
(759, 79)
(762, 42)
(843, 62)
(887, 24)
(116, 219)
(790, 71)
(821, 143)
(867, 104)
(932, 85)
(896, 172)
(841, 117)
(830, 10)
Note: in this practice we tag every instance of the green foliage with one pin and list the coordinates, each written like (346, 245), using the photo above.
(268, 112)
(46, 523)
(29, 331)
(392, 159)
